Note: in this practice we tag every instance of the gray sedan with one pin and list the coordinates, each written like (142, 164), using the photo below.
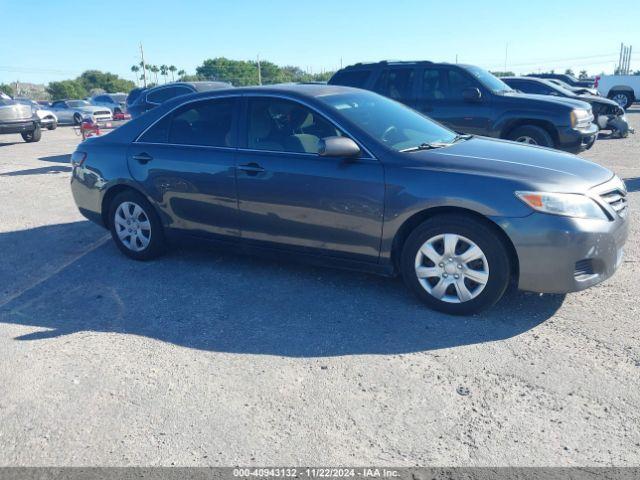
(350, 178)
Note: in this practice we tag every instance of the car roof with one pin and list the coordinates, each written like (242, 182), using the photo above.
(198, 86)
(295, 89)
(401, 63)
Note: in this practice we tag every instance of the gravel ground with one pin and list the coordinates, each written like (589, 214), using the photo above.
(210, 358)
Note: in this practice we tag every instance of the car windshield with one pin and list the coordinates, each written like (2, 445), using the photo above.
(391, 123)
(558, 88)
(118, 97)
(6, 101)
(489, 80)
(78, 103)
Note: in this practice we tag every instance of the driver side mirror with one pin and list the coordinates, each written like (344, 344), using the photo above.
(338, 147)
(471, 95)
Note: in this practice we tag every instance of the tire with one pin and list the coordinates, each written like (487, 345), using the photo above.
(52, 126)
(622, 98)
(146, 243)
(437, 288)
(34, 136)
(531, 135)
(77, 119)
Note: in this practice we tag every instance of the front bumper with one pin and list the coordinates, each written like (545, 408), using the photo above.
(562, 254)
(577, 140)
(17, 127)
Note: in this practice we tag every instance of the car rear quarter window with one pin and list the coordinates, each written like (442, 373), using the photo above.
(207, 122)
(351, 78)
(395, 83)
(161, 95)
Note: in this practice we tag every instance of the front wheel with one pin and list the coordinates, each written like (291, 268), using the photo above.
(52, 126)
(135, 226)
(77, 118)
(624, 99)
(456, 264)
(532, 135)
(33, 136)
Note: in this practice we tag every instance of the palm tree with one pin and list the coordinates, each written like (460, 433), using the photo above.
(135, 69)
(172, 69)
(154, 69)
(164, 71)
(181, 73)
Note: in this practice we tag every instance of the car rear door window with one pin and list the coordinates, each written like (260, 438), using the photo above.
(433, 87)
(351, 78)
(161, 95)
(207, 122)
(395, 83)
(280, 125)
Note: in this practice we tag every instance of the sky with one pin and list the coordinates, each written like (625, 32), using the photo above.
(56, 40)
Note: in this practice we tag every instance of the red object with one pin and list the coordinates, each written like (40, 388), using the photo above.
(88, 128)
(595, 84)
(121, 116)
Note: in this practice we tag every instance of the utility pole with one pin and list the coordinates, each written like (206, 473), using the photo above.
(259, 72)
(629, 60)
(506, 52)
(144, 66)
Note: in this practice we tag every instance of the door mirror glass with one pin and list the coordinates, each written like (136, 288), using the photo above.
(471, 95)
(338, 147)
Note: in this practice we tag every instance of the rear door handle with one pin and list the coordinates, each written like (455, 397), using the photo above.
(251, 168)
(142, 157)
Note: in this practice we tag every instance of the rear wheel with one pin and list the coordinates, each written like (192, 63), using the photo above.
(622, 98)
(532, 135)
(456, 264)
(52, 126)
(77, 118)
(135, 226)
(33, 136)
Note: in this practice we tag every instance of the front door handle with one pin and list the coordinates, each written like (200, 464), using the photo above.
(142, 157)
(251, 168)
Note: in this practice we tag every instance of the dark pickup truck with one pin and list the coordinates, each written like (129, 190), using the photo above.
(471, 100)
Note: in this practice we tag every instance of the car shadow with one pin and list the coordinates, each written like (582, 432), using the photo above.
(633, 184)
(37, 171)
(226, 302)
(66, 158)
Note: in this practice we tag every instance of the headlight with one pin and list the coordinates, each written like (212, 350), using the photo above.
(565, 204)
(580, 116)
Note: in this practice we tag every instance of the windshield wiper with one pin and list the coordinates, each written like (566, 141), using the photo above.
(462, 137)
(425, 146)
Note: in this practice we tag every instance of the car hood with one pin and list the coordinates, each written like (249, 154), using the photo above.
(560, 101)
(530, 166)
(15, 112)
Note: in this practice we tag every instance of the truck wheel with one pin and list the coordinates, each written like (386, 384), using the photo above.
(531, 135)
(34, 136)
(624, 99)
(456, 264)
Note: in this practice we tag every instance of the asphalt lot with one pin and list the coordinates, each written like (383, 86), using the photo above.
(211, 358)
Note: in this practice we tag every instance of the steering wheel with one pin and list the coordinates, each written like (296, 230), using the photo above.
(388, 132)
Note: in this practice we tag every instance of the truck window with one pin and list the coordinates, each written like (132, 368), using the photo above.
(351, 78)
(458, 82)
(433, 87)
(395, 83)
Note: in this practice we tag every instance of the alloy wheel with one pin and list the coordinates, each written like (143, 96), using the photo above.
(620, 99)
(526, 139)
(452, 268)
(132, 226)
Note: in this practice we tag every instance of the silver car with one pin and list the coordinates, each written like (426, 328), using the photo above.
(73, 111)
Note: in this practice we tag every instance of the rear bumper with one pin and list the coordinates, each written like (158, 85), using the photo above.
(576, 141)
(17, 127)
(561, 254)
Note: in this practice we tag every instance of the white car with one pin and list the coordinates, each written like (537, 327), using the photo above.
(47, 118)
(623, 89)
(73, 111)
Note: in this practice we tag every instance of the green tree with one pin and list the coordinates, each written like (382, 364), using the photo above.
(6, 89)
(66, 89)
(135, 69)
(109, 82)
(568, 71)
(173, 69)
(181, 74)
(164, 71)
(583, 75)
(154, 69)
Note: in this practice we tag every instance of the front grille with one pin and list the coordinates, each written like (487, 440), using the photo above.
(102, 113)
(617, 200)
